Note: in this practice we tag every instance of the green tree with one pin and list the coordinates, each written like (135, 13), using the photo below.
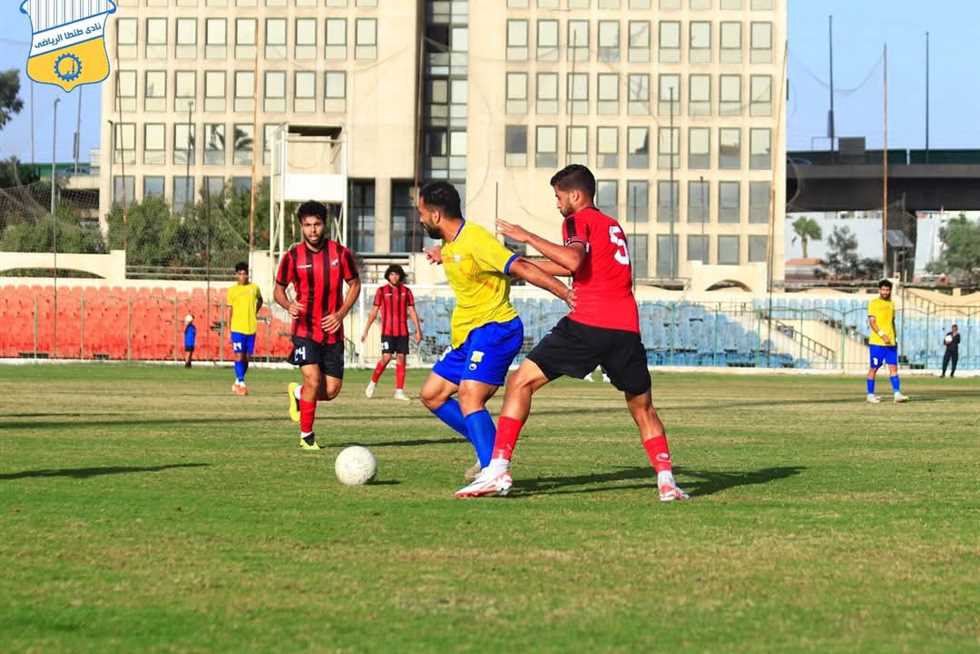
(842, 246)
(10, 104)
(38, 235)
(961, 250)
(806, 230)
(144, 232)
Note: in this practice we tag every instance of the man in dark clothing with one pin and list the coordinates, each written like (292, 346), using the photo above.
(952, 342)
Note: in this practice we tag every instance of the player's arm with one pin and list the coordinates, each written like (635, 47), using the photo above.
(873, 324)
(534, 275)
(333, 321)
(370, 321)
(568, 258)
(294, 308)
(258, 304)
(418, 324)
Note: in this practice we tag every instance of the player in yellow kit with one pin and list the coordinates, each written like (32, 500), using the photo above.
(882, 341)
(244, 302)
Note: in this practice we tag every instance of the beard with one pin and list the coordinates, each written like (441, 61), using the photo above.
(433, 232)
(315, 244)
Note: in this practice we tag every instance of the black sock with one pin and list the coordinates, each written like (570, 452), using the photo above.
(309, 440)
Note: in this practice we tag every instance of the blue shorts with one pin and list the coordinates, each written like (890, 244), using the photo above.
(883, 354)
(485, 356)
(242, 343)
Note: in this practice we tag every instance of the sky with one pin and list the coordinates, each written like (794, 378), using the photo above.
(861, 29)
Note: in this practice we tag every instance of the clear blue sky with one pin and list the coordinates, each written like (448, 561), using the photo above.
(861, 28)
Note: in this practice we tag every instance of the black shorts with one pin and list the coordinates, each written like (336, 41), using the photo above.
(574, 349)
(188, 348)
(330, 358)
(394, 344)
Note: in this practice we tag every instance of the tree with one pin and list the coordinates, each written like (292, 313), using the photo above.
(961, 250)
(37, 235)
(10, 104)
(806, 230)
(842, 245)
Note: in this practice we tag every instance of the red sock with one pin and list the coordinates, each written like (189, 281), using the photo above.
(307, 411)
(399, 376)
(378, 369)
(658, 453)
(508, 430)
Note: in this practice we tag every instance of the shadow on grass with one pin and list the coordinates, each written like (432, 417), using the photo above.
(706, 482)
(85, 473)
(405, 443)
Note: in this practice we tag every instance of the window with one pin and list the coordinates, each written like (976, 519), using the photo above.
(700, 5)
(185, 85)
(638, 86)
(729, 148)
(126, 90)
(547, 93)
(699, 148)
(123, 190)
(335, 91)
(515, 145)
(698, 201)
(183, 193)
(607, 196)
(245, 33)
(214, 187)
(186, 38)
(457, 153)
(306, 38)
(638, 201)
(517, 40)
(511, 4)
(547, 49)
(304, 92)
(215, 38)
(577, 145)
(126, 37)
(759, 196)
(608, 4)
(608, 94)
(700, 51)
(275, 91)
(669, 148)
(154, 144)
(184, 143)
(670, 4)
(155, 91)
(156, 38)
(699, 88)
(670, 95)
(516, 93)
(697, 248)
(243, 142)
(607, 146)
(666, 255)
(762, 5)
(406, 234)
(241, 186)
(546, 147)
(214, 90)
(760, 144)
(637, 147)
(731, 5)
(670, 42)
(729, 202)
(366, 38)
(214, 145)
(367, 3)
(758, 249)
(639, 45)
(360, 224)
(731, 43)
(153, 186)
(638, 253)
(639, 4)
(760, 89)
(124, 143)
(246, 3)
(578, 4)
(547, 4)
(270, 136)
(578, 93)
(275, 38)
(609, 41)
(668, 196)
(578, 40)
(728, 250)
(761, 43)
(730, 88)
(336, 43)
(336, 3)
(244, 90)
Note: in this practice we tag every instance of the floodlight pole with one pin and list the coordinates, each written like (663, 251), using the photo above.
(54, 228)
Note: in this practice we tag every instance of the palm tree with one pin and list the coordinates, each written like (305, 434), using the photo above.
(806, 229)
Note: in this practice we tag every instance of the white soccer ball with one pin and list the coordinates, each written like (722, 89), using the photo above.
(355, 465)
(949, 339)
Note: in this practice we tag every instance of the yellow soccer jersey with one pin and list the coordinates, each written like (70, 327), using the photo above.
(243, 300)
(883, 311)
(476, 265)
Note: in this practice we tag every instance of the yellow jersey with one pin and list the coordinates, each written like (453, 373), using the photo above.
(476, 265)
(883, 311)
(243, 300)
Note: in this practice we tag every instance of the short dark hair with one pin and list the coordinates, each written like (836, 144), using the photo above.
(241, 266)
(442, 196)
(575, 177)
(312, 208)
(885, 282)
(395, 268)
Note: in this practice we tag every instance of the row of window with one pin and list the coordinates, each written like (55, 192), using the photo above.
(217, 40)
(730, 250)
(248, 3)
(609, 91)
(305, 95)
(608, 41)
(664, 5)
(693, 207)
(184, 145)
(636, 153)
(182, 188)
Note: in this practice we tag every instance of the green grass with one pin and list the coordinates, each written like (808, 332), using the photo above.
(147, 508)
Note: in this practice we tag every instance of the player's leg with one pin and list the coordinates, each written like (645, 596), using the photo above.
(946, 357)
(380, 367)
(654, 439)
(400, 371)
(891, 358)
(237, 349)
(876, 361)
(248, 347)
(310, 389)
(955, 360)
(437, 393)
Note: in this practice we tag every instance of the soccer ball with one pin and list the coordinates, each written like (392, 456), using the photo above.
(949, 339)
(355, 465)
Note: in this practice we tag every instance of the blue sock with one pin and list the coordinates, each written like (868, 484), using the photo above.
(895, 383)
(244, 368)
(482, 434)
(452, 415)
(239, 371)
(871, 387)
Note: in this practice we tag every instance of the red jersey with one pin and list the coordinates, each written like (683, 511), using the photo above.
(317, 279)
(603, 284)
(394, 302)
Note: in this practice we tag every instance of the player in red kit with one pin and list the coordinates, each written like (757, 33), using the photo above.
(602, 329)
(397, 304)
(317, 269)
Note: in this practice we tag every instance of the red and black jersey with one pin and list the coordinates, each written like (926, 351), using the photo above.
(394, 302)
(318, 281)
(603, 284)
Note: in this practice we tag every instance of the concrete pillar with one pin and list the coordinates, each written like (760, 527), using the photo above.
(382, 214)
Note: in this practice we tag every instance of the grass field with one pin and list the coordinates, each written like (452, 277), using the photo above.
(147, 508)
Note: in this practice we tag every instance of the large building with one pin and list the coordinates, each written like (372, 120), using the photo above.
(674, 104)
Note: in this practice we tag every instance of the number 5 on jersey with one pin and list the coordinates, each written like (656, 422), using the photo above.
(616, 237)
